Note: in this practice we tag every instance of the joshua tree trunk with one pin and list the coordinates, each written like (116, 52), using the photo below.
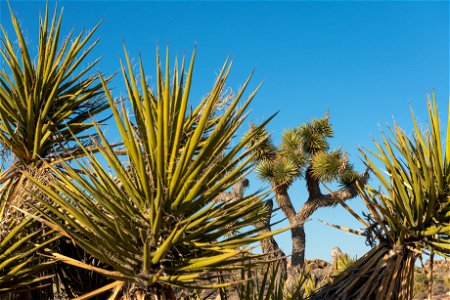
(315, 200)
(386, 272)
(430, 276)
(298, 242)
(269, 245)
(298, 248)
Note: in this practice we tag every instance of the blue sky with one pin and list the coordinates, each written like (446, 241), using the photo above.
(363, 62)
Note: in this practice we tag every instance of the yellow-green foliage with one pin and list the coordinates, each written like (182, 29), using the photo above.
(343, 262)
(154, 221)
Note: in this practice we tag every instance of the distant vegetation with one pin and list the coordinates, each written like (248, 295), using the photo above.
(441, 280)
(164, 214)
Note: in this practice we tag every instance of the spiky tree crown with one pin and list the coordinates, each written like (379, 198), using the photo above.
(300, 148)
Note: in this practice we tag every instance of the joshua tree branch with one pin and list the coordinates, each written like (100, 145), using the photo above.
(317, 199)
(285, 203)
(313, 184)
(236, 194)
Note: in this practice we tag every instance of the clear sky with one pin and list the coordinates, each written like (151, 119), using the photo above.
(363, 62)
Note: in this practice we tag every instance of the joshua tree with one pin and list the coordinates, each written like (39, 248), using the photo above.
(154, 219)
(45, 105)
(304, 153)
(409, 213)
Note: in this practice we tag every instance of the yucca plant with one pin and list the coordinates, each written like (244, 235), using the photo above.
(20, 267)
(304, 153)
(409, 213)
(47, 101)
(261, 283)
(153, 218)
(265, 283)
(342, 262)
(47, 104)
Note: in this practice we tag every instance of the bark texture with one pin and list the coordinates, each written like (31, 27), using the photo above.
(269, 245)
